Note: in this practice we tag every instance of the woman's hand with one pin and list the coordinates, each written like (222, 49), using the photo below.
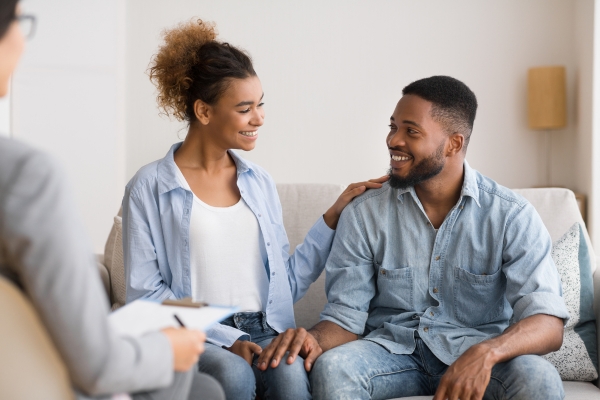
(332, 216)
(245, 349)
(187, 346)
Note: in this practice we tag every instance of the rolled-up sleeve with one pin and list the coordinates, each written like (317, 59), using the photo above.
(225, 336)
(350, 282)
(533, 283)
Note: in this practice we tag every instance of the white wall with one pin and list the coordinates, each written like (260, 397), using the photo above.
(594, 205)
(333, 71)
(583, 136)
(67, 101)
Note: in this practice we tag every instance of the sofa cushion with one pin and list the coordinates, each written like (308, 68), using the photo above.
(113, 259)
(576, 360)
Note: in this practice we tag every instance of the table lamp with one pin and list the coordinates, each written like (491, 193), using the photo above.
(547, 104)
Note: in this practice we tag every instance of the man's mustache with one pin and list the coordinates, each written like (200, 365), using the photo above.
(396, 148)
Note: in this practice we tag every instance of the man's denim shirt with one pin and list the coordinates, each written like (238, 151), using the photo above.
(156, 224)
(390, 273)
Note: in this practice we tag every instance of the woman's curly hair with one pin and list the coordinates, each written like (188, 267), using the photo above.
(192, 65)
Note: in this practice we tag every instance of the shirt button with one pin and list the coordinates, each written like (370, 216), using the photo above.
(437, 258)
(268, 243)
(259, 215)
(435, 290)
(426, 329)
(431, 313)
(383, 272)
(273, 274)
(461, 207)
(270, 301)
(428, 223)
(241, 191)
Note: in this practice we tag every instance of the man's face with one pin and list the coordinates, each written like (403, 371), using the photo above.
(416, 143)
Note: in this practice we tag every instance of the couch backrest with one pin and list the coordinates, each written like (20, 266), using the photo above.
(302, 205)
(31, 366)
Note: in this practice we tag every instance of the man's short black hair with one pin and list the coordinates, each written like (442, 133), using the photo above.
(454, 104)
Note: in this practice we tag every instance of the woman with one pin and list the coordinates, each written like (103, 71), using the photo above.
(57, 272)
(205, 223)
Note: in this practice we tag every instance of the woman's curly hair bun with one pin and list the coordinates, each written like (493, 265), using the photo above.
(191, 64)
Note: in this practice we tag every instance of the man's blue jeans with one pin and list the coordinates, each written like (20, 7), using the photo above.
(365, 370)
(239, 380)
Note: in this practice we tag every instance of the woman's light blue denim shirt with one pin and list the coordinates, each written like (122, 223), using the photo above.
(391, 275)
(156, 222)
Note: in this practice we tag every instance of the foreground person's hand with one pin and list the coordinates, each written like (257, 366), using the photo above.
(468, 376)
(296, 342)
(187, 346)
(332, 216)
(245, 349)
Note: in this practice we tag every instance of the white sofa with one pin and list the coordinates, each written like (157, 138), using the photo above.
(303, 203)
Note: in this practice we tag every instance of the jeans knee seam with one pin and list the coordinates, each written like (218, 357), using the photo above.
(391, 373)
(386, 373)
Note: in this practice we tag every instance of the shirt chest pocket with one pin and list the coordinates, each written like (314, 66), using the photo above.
(478, 299)
(395, 288)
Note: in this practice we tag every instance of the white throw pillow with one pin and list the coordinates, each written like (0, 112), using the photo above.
(576, 359)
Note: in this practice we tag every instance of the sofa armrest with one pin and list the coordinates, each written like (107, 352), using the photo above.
(104, 275)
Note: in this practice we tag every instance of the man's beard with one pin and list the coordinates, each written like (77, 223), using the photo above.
(424, 170)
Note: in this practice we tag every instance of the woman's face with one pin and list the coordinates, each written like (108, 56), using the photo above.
(235, 118)
(11, 47)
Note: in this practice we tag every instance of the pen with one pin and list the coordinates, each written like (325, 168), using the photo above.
(179, 320)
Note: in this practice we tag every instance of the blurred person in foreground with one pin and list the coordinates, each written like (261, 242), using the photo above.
(446, 275)
(43, 249)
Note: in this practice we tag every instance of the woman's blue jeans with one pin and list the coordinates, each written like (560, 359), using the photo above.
(365, 370)
(239, 380)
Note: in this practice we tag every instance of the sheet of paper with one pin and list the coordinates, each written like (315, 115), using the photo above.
(143, 316)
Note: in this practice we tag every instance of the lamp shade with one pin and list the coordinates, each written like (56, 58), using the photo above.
(547, 98)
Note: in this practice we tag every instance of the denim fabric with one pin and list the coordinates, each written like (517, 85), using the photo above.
(390, 273)
(365, 370)
(239, 380)
(156, 224)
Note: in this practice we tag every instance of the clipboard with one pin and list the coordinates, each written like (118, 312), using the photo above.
(185, 302)
(144, 316)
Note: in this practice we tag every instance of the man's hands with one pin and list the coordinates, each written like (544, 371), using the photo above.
(296, 341)
(332, 216)
(245, 349)
(187, 346)
(468, 377)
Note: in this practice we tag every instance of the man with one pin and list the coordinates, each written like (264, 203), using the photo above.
(447, 274)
